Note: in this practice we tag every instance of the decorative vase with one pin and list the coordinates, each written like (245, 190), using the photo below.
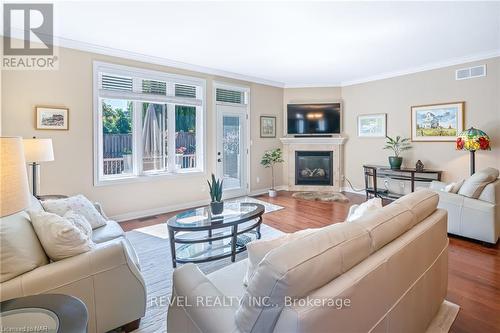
(395, 162)
(217, 207)
(273, 193)
(419, 167)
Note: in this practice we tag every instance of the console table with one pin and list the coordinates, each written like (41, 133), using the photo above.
(373, 172)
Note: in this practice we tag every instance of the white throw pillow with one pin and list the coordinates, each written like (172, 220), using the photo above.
(448, 187)
(80, 222)
(60, 238)
(80, 205)
(258, 249)
(365, 208)
(475, 184)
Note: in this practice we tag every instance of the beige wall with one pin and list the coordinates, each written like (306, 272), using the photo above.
(72, 170)
(395, 96)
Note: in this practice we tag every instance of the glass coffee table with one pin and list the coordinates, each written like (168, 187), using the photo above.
(197, 236)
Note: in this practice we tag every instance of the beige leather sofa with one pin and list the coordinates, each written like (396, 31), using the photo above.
(386, 272)
(107, 279)
(473, 218)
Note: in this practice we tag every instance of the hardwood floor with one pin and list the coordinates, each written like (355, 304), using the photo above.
(474, 270)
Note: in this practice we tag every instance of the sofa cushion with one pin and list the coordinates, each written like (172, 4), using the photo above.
(108, 232)
(298, 267)
(474, 185)
(59, 236)
(20, 249)
(258, 249)
(80, 205)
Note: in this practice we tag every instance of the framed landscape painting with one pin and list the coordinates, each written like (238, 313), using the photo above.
(437, 122)
(372, 125)
(52, 118)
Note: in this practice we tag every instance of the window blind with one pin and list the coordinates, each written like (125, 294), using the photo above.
(182, 90)
(229, 96)
(117, 83)
(154, 87)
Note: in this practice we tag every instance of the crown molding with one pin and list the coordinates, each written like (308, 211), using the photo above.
(312, 85)
(427, 67)
(104, 50)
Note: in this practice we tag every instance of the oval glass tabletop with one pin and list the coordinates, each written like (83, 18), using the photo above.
(203, 219)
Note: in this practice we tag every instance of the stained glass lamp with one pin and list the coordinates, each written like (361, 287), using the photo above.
(473, 139)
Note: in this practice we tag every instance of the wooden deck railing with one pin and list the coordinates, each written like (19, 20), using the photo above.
(115, 166)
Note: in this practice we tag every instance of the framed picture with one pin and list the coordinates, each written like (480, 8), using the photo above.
(437, 122)
(52, 118)
(267, 126)
(372, 125)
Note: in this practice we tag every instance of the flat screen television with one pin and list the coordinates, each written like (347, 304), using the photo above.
(313, 119)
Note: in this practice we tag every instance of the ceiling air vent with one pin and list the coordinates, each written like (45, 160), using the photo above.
(470, 72)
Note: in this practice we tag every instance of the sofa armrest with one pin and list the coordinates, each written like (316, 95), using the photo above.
(196, 302)
(103, 258)
(99, 208)
(437, 185)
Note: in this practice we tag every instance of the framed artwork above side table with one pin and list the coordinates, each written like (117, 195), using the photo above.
(372, 125)
(437, 122)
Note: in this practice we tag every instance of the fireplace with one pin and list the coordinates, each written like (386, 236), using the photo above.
(314, 168)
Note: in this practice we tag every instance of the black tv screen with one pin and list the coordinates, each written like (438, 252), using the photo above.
(313, 119)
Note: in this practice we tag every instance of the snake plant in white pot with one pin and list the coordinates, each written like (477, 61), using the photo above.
(270, 158)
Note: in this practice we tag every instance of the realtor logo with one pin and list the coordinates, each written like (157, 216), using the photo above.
(32, 47)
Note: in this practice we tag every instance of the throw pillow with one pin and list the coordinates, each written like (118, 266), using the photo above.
(365, 208)
(60, 238)
(474, 185)
(258, 249)
(78, 204)
(448, 187)
(80, 222)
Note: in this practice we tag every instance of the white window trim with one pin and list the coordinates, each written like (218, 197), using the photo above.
(201, 137)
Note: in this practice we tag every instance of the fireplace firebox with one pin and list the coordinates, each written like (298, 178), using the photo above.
(314, 168)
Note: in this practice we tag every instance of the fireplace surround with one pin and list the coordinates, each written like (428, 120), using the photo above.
(326, 145)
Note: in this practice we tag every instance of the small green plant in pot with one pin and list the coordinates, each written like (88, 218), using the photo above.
(397, 145)
(270, 158)
(215, 187)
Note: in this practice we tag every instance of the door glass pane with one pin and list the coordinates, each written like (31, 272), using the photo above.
(231, 142)
(185, 137)
(117, 137)
(154, 137)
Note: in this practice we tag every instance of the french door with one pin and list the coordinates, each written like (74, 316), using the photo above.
(232, 150)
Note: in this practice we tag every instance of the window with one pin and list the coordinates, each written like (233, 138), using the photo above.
(147, 123)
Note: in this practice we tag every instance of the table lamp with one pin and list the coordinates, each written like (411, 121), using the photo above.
(473, 139)
(35, 151)
(14, 189)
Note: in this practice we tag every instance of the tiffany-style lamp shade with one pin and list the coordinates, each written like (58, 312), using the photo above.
(473, 139)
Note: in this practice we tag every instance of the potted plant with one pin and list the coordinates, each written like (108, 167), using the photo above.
(216, 205)
(270, 158)
(397, 145)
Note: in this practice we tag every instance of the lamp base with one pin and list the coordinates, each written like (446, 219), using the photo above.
(472, 162)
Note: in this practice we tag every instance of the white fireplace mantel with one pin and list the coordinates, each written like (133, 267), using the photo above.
(340, 140)
(332, 144)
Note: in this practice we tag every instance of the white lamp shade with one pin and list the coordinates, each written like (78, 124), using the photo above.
(14, 188)
(38, 150)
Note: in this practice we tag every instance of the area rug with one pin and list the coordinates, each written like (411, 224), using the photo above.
(161, 230)
(156, 268)
(321, 196)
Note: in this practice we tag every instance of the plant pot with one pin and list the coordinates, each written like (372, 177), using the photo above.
(273, 193)
(395, 162)
(217, 207)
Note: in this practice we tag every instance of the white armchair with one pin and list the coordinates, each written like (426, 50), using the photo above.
(107, 278)
(472, 218)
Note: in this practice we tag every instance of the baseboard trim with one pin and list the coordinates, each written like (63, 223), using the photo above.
(171, 208)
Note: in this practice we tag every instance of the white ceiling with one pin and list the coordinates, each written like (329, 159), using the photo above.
(291, 43)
